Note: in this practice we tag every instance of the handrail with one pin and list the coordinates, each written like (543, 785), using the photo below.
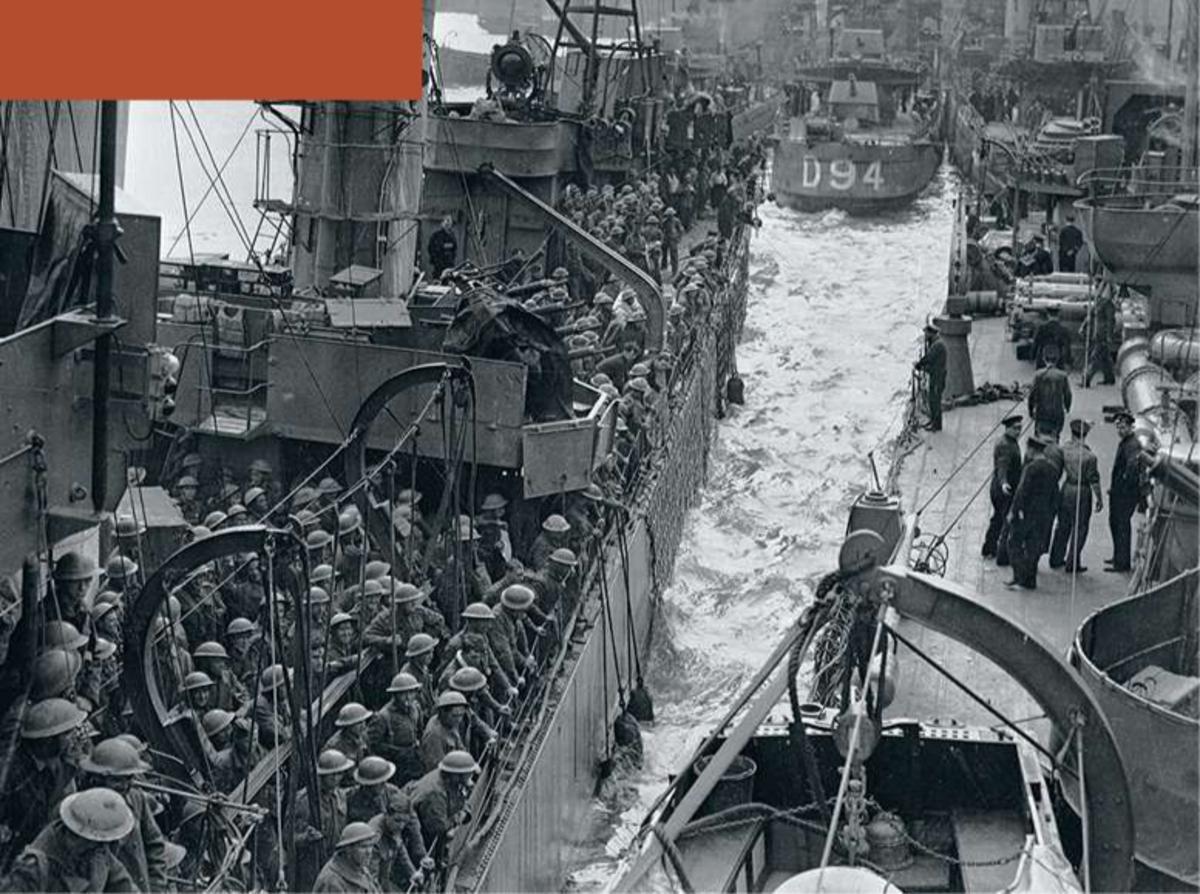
(1123, 176)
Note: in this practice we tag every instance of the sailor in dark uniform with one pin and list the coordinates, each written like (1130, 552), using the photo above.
(1124, 493)
(933, 364)
(1052, 332)
(1050, 396)
(1031, 514)
(443, 248)
(1082, 481)
(1006, 475)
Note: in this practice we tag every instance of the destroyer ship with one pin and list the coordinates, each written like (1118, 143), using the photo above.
(925, 724)
(862, 136)
(225, 475)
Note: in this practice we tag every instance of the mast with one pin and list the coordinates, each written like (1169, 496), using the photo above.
(106, 239)
(1191, 138)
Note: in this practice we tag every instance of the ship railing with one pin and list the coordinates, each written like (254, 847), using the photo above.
(1140, 180)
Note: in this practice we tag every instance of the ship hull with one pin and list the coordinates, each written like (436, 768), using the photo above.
(859, 178)
(1161, 746)
(542, 818)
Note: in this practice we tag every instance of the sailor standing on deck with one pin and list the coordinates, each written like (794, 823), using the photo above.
(1032, 513)
(1075, 508)
(443, 248)
(1050, 396)
(1006, 475)
(933, 364)
(1124, 494)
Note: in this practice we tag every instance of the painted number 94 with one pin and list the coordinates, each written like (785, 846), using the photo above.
(842, 174)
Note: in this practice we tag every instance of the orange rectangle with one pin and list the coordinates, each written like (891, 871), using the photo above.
(213, 49)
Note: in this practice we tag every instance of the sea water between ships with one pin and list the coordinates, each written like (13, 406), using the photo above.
(835, 312)
(834, 319)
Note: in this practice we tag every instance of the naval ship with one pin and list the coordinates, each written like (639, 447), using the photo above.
(922, 725)
(862, 136)
(330, 356)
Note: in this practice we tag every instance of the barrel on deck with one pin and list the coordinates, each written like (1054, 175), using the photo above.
(735, 787)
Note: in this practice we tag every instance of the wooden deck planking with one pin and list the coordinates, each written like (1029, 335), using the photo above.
(1056, 609)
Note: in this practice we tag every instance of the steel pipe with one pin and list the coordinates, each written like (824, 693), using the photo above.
(1176, 349)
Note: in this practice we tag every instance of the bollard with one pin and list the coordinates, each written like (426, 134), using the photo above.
(955, 326)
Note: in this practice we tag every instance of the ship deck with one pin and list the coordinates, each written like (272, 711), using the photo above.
(1054, 611)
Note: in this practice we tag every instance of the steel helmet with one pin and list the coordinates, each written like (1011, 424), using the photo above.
(406, 593)
(187, 481)
(196, 680)
(261, 465)
(173, 854)
(353, 713)
(408, 495)
(403, 682)
(97, 814)
(54, 673)
(556, 523)
(349, 521)
(114, 757)
(235, 510)
(376, 569)
(210, 649)
(272, 678)
(305, 496)
(240, 627)
(50, 717)
(458, 762)
(374, 587)
(216, 720)
(318, 539)
(253, 494)
(317, 596)
(306, 519)
(120, 567)
(105, 649)
(641, 368)
(419, 644)
(329, 486)
(73, 566)
(564, 556)
(451, 698)
(493, 502)
(138, 745)
(478, 611)
(229, 490)
(199, 532)
(332, 762)
(356, 833)
(638, 384)
(468, 679)
(518, 597)
(100, 609)
(128, 526)
(374, 770)
(215, 519)
(106, 596)
(341, 618)
(64, 635)
(320, 574)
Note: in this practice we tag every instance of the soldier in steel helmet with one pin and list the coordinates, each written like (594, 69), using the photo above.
(349, 869)
(395, 731)
(333, 771)
(418, 659)
(378, 799)
(75, 851)
(350, 736)
(73, 576)
(445, 730)
(229, 693)
(439, 798)
(242, 642)
(116, 765)
(40, 774)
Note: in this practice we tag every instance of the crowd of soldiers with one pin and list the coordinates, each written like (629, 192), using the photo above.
(446, 634)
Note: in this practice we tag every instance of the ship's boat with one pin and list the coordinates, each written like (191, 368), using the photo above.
(814, 796)
(866, 143)
(1146, 235)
